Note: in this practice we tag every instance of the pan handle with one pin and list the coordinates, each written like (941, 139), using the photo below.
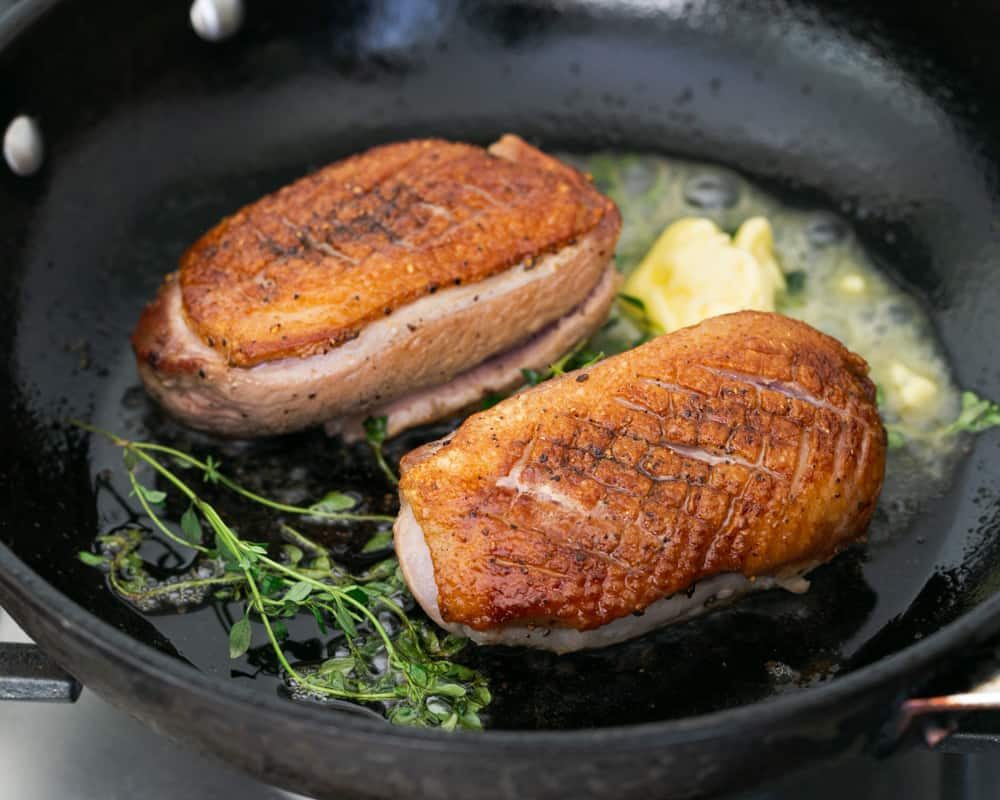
(963, 722)
(26, 673)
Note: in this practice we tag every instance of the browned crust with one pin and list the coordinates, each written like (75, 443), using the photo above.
(750, 443)
(304, 269)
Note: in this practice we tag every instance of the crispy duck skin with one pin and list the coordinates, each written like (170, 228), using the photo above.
(748, 446)
(303, 270)
(393, 273)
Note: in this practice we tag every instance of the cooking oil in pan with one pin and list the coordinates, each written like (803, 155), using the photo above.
(767, 644)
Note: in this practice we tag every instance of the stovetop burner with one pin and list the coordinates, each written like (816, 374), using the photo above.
(92, 751)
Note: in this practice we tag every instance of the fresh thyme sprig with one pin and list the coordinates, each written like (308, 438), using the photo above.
(389, 659)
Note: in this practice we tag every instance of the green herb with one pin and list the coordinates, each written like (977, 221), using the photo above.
(795, 282)
(91, 559)
(152, 496)
(579, 358)
(403, 665)
(191, 526)
(977, 415)
(604, 172)
(380, 541)
(376, 429)
(333, 501)
(492, 399)
(633, 302)
(635, 309)
(240, 637)
(894, 438)
(533, 377)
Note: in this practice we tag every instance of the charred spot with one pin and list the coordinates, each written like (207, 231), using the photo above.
(311, 396)
(432, 287)
(582, 378)
(201, 373)
(411, 327)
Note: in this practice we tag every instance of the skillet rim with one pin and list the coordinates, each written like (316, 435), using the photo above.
(32, 591)
(87, 629)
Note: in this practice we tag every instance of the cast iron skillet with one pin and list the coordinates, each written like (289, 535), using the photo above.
(153, 134)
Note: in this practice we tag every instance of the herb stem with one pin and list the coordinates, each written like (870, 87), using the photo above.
(170, 588)
(249, 495)
(384, 465)
(155, 518)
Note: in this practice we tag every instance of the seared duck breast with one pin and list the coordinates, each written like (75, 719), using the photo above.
(731, 455)
(410, 280)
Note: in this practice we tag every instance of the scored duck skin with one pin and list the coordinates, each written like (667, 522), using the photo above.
(730, 455)
(386, 274)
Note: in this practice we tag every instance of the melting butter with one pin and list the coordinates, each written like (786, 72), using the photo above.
(685, 268)
(695, 271)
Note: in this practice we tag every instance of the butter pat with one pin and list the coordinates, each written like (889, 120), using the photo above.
(695, 271)
(852, 283)
(911, 388)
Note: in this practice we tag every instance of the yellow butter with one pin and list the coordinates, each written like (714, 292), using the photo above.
(912, 389)
(852, 283)
(695, 271)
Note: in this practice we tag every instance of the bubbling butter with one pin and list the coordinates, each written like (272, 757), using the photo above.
(680, 262)
(695, 270)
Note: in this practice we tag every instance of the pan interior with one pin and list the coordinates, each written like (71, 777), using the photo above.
(162, 141)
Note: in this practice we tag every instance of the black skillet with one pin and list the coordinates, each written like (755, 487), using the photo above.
(152, 134)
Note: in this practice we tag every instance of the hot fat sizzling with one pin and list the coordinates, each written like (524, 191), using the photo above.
(733, 454)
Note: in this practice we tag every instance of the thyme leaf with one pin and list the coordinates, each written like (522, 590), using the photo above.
(91, 559)
(240, 637)
(191, 526)
(332, 502)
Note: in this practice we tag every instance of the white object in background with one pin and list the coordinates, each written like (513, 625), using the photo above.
(215, 20)
(9, 630)
(22, 146)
